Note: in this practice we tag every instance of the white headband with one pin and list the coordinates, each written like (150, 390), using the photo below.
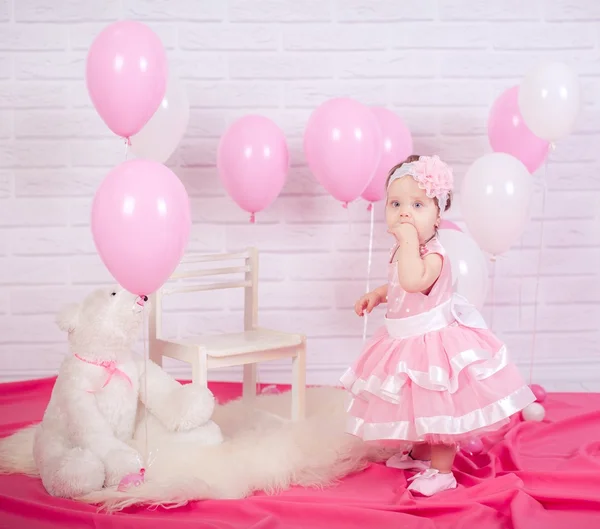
(432, 175)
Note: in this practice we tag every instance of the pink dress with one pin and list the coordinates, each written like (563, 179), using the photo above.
(434, 372)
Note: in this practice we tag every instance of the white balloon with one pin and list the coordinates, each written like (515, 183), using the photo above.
(495, 199)
(469, 265)
(550, 100)
(163, 132)
(534, 412)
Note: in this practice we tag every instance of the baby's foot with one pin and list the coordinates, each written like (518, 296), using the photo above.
(407, 462)
(432, 481)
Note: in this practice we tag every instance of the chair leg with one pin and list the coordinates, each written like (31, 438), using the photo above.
(249, 384)
(299, 384)
(200, 369)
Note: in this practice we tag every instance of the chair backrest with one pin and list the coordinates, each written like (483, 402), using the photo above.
(200, 267)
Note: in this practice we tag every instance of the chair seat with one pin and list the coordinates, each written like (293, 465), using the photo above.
(247, 342)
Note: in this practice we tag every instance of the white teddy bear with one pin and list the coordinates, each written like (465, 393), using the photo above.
(83, 441)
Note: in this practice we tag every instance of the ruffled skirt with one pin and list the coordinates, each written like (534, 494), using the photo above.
(438, 377)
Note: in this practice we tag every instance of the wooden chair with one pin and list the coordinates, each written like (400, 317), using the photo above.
(246, 348)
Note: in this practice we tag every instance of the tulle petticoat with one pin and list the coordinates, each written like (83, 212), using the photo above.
(443, 386)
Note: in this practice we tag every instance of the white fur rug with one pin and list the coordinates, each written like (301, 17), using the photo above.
(261, 452)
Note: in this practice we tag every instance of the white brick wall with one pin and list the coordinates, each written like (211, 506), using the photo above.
(439, 64)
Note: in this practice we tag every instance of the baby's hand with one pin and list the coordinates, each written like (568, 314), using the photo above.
(367, 302)
(403, 231)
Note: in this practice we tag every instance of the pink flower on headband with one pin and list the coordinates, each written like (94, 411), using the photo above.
(432, 175)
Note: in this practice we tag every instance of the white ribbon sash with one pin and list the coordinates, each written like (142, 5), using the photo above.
(457, 308)
(481, 363)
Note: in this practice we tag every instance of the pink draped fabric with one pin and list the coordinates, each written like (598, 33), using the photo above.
(532, 476)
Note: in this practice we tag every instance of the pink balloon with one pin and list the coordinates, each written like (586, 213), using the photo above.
(538, 391)
(141, 224)
(449, 225)
(342, 145)
(253, 162)
(508, 132)
(397, 145)
(126, 74)
(473, 446)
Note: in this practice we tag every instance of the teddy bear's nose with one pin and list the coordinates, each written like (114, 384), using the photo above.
(145, 298)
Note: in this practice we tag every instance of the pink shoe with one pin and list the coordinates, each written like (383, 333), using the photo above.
(432, 481)
(407, 462)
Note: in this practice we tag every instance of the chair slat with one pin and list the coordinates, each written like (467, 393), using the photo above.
(210, 272)
(209, 286)
(213, 257)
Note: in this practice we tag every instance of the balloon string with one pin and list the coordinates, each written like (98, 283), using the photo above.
(139, 306)
(348, 217)
(252, 218)
(369, 263)
(127, 145)
(146, 354)
(493, 292)
(521, 282)
(539, 269)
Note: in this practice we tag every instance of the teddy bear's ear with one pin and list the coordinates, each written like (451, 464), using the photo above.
(67, 317)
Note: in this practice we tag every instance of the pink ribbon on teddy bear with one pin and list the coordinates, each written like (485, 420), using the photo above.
(112, 369)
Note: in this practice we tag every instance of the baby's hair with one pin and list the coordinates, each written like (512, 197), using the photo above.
(410, 159)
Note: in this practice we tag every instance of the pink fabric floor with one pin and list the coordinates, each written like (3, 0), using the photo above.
(533, 475)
